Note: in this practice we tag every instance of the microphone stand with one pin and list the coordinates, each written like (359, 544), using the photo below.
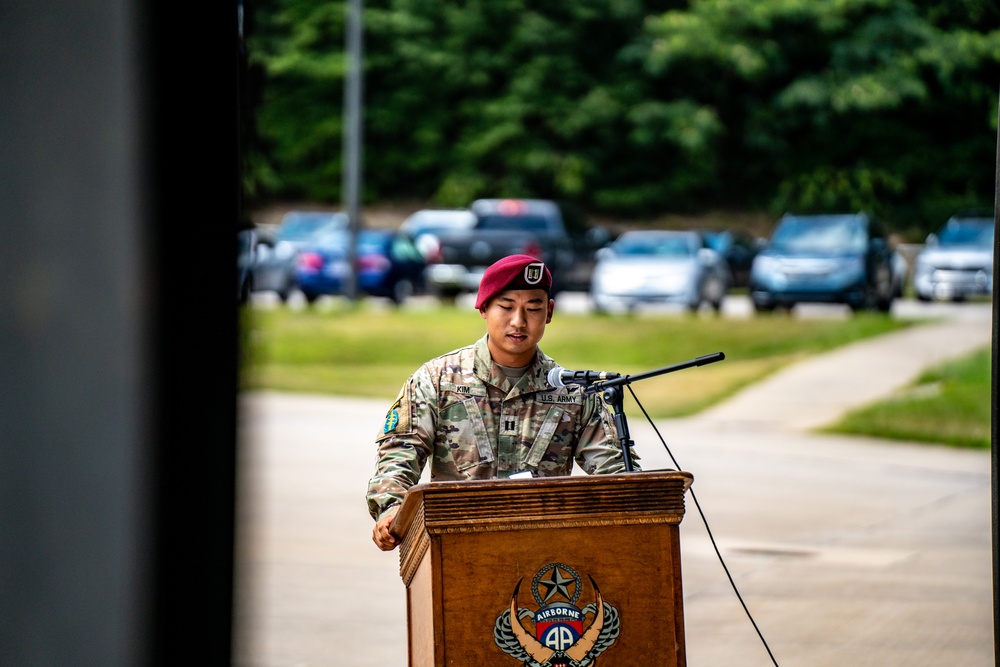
(614, 395)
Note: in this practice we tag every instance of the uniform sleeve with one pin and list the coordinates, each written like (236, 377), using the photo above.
(597, 450)
(404, 442)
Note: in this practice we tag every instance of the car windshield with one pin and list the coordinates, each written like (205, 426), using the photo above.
(369, 241)
(435, 223)
(977, 231)
(301, 226)
(823, 234)
(654, 245)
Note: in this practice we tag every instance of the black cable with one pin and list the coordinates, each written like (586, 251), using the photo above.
(707, 529)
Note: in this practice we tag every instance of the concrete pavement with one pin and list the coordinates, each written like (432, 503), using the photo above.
(846, 551)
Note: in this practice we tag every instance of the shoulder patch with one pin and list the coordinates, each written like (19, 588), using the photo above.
(392, 417)
(391, 420)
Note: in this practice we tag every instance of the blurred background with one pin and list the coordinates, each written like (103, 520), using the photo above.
(718, 117)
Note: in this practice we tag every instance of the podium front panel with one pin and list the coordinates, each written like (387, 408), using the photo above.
(581, 569)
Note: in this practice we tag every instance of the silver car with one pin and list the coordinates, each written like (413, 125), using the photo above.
(659, 267)
(957, 261)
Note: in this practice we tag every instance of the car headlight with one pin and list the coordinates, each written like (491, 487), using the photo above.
(764, 264)
(922, 266)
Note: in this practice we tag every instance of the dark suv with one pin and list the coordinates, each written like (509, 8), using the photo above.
(502, 227)
(836, 258)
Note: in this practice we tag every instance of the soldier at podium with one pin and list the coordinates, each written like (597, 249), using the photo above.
(487, 410)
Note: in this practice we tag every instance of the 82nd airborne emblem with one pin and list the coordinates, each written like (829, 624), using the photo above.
(559, 638)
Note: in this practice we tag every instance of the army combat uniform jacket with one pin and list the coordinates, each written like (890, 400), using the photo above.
(461, 412)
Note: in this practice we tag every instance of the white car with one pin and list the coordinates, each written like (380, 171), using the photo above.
(424, 226)
(665, 267)
(957, 261)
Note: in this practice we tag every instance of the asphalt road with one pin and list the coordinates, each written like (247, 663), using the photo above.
(846, 551)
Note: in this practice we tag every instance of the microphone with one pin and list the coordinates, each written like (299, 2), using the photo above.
(560, 377)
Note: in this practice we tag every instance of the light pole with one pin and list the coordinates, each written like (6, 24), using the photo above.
(352, 159)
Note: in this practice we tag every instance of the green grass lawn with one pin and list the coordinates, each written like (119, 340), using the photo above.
(364, 351)
(360, 350)
(948, 404)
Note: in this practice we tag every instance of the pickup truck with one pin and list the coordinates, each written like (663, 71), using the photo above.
(503, 227)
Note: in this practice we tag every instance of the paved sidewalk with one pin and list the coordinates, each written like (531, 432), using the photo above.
(847, 551)
(818, 390)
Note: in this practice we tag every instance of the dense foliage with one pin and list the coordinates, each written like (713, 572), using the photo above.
(638, 107)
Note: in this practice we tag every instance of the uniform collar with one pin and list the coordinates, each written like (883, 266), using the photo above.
(490, 373)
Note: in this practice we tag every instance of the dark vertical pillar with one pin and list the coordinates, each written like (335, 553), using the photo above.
(191, 109)
(118, 332)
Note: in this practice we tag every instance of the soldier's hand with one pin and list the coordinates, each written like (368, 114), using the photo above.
(380, 534)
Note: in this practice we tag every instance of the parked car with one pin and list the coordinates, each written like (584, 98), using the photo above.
(836, 258)
(275, 257)
(426, 226)
(246, 248)
(388, 264)
(659, 267)
(738, 248)
(957, 261)
(503, 227)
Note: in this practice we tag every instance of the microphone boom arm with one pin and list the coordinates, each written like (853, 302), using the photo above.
(629, 379)
(614, 396)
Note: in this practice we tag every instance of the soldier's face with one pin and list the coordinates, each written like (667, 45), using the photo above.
(515, 322)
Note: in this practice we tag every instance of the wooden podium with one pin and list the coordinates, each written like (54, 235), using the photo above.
(545, 571)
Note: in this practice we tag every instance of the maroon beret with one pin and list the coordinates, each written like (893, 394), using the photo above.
(513, 272)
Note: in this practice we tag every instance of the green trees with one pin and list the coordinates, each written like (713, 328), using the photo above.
(854, 104)
(639, 107)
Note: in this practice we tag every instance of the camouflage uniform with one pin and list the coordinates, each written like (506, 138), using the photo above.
(460, 411)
